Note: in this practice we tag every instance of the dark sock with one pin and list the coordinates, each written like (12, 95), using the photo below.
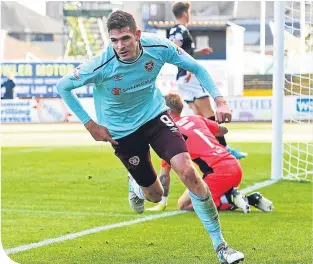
(222, 139)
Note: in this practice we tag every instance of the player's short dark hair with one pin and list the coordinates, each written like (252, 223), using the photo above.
(174, 102)
(120, 19)
(179, 8)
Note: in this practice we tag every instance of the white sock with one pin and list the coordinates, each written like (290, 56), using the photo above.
(164, 200)
(137, 189)
(224, 200)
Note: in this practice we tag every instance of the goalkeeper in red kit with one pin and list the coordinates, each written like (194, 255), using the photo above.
(221, 171)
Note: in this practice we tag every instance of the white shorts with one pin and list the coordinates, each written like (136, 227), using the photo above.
(192, 90)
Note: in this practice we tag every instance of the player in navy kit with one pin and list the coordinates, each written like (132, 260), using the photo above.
(191, 91)
(132, 115)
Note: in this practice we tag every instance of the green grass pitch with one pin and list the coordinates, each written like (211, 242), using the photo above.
(51, 192)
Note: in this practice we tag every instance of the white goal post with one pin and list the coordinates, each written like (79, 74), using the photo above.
(293, 77)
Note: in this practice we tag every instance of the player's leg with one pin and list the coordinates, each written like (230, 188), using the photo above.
(134, 153)
(223, 184)
(202, 101)
(165, 180)
(204, 207)
(171, 147)
(195, 96)
(186, 92)
(169, 144)
(194, 108)
(200, 196)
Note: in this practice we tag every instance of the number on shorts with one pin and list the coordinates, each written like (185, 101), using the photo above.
(166, 120)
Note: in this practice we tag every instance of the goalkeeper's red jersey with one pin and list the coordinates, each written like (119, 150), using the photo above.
(201, 142)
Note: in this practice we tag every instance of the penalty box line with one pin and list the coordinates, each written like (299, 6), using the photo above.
(116, 225)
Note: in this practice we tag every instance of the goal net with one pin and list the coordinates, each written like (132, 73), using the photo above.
(298, 127)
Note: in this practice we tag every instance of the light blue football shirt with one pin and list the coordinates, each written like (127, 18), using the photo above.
(125, 94)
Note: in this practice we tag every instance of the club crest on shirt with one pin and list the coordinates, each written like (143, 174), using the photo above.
(118, 77)
(116, 91)
(76, 74)
(149, 66)
(179, 51)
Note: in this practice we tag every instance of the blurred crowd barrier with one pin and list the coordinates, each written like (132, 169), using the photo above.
(245, 109)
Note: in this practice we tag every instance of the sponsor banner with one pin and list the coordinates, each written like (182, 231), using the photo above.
(245, 109)
(42, 110)
(34, 111)
(260, 108)
(52, 111)
(18, 111)
(38, 79)
(305, 105)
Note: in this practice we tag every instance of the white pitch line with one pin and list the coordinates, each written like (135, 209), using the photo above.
(66, 213)
(258, 185)
(88, 232)
(36, 149)
(116, 225)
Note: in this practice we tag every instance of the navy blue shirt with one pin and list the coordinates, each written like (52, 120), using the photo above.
(182, 34)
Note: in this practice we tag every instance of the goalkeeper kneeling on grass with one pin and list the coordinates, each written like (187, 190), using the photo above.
(221, 171)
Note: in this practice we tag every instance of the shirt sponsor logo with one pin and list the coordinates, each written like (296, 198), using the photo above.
(144, 82)
(149, 66)
(118, 77)
(134, 160)
(116, 91)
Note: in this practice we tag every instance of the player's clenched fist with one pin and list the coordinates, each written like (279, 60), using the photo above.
(223, 112)
(99, 133)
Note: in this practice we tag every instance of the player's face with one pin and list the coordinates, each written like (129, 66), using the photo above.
(125, 43)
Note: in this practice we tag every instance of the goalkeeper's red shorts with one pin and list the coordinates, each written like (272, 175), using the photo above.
(227, 174)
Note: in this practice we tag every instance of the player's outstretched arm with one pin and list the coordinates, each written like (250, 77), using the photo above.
(204, 51)
(180, 58)
(82, 75)
(64, 88)
(221, 131)
(216, 129)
